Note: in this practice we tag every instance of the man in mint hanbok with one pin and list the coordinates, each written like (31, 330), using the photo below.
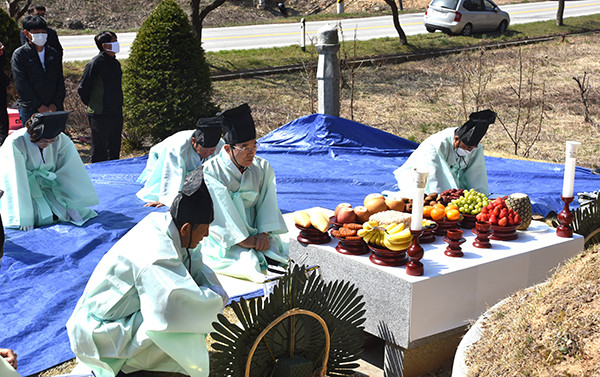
(151, 301)
(453, 157)
(171, 160)
(244, 237)
(43, 177)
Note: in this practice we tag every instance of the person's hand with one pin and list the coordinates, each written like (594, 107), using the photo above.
(26, 228)
(52, 107)
(73, 215)
(43, 109)
(262, 242)
(259, 242)
(10, 356)
(154, 204)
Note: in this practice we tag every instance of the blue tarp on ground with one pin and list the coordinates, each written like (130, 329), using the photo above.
(318, 160)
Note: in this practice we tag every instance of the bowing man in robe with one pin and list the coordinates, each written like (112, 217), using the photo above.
(453, 157)
(171, 160)
(244, 237)
(151, 301)
(43, 177)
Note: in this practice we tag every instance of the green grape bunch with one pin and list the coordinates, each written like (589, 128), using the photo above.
(471, 202)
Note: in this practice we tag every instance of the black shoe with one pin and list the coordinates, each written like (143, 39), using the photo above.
(596, 171)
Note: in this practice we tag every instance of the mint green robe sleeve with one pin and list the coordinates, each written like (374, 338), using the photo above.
(169, 162)
(177, 314)
(16, 205)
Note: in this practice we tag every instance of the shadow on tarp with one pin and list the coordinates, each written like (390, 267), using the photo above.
(319, 161)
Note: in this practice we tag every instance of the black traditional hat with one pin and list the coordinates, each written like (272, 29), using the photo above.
(238, 125)
(193, 204)
(475, 128)
(49, 125)
(208, 131)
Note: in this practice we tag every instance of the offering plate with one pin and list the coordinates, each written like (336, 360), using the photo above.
(351, 247)
(386, 257)
(312, 236)
(504, 233)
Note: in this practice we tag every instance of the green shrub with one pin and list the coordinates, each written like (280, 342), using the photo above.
(166, 82)
(9, 36)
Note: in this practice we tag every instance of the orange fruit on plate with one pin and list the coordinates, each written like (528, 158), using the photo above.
(439, 205)
(451, 206)
(437, 213)
(427, 211)
(453, 214)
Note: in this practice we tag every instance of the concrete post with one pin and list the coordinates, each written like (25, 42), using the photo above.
(328, 70)
(303, 34)
(340, 6)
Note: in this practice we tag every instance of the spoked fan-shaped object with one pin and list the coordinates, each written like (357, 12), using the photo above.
(586, 221)
(305, 327)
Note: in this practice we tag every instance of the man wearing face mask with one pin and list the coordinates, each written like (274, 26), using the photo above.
(100, 89)
(40, 10)
(453, 157)
(37, 72)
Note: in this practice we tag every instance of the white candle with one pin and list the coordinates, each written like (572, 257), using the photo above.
(569, 179)
(416, 221)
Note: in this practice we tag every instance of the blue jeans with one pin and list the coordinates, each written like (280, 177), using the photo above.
(25, 114)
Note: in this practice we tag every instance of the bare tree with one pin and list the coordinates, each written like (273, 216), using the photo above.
(584, 92)
(198, 15)
(529, 113)
(475, 71)
(560, 12)
(395, 15)
(15, 10)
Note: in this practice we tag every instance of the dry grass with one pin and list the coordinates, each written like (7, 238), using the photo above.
(416, 99)
(551, 329)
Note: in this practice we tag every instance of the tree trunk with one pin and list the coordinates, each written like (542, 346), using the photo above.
(15, 10)
(401, 35)
(560, 12)
(199, 15)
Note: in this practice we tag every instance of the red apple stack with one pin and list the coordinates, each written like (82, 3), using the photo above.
(497, 213)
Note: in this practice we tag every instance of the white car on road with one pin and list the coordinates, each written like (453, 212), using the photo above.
(465, 17)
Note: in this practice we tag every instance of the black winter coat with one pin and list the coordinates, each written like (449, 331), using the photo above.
(35, 86)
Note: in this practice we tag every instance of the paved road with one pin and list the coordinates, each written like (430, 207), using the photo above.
(277, 35)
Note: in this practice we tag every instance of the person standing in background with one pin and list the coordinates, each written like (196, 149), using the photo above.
(100, 89)
(37, 72)
(4, 81)
(40, 10)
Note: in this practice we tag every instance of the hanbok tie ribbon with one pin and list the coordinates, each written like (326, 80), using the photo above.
(40, 181)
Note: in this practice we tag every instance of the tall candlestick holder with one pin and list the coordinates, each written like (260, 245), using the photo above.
(415, 252)
(565, 218)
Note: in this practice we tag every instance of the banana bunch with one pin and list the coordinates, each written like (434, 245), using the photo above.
(397, 237)
(393, 236)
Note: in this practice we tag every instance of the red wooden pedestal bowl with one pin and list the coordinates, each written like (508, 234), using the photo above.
(504, 233)
(386, 257)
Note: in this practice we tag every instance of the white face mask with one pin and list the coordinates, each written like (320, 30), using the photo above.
(463, 152)
(39, 39)
(114, 47)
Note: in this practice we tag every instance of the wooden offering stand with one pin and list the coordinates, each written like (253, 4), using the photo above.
(351, 247)
(386, 257)
(565, 218)
(504, 233)
(468, 221)
(312, 236)
(415, 252)
(445, 225)
(482, 232)
(428, 234)
(454, 239)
